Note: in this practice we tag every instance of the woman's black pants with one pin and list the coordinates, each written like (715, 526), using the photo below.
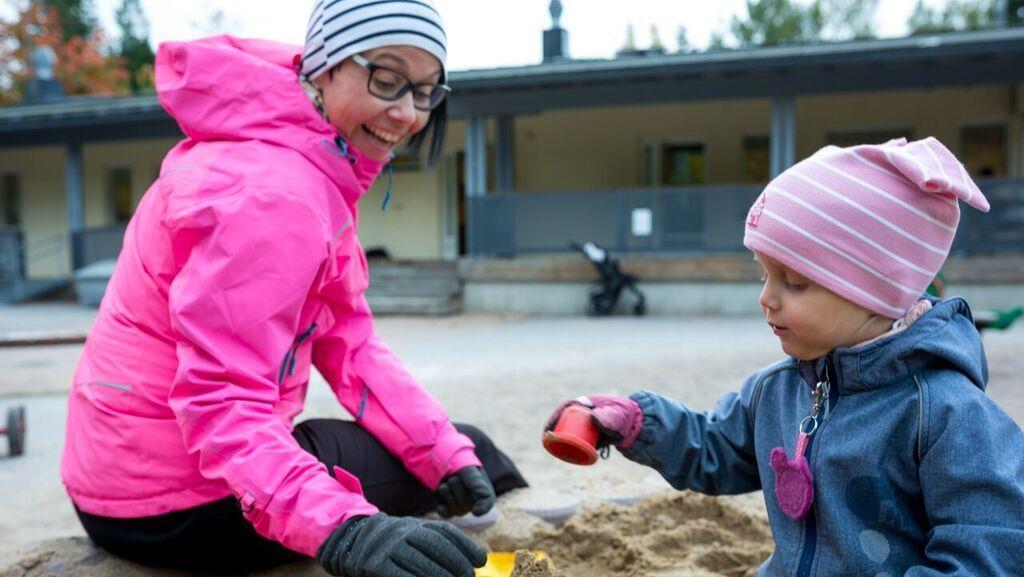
(216, 539)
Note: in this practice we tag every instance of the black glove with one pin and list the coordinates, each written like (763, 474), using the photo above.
(465, 490)
(383, 546)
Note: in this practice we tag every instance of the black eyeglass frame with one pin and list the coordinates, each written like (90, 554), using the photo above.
(409, 85)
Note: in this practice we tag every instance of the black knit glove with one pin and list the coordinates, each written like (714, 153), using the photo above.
(383, 546)
(465, 490)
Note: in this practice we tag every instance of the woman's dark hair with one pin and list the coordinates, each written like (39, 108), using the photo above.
(437, 127)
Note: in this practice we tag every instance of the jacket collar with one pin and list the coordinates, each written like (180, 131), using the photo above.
(944, 337)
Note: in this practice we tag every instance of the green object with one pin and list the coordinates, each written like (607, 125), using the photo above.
(938, 285)
(1005, 319)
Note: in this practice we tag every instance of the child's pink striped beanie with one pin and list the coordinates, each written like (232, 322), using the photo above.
(871, 223)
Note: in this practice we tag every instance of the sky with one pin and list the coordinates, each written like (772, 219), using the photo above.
(483, 33)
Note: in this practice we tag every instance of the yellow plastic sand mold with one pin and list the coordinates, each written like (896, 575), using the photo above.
(501, 564)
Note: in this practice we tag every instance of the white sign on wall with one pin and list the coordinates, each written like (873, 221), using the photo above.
(643, 222)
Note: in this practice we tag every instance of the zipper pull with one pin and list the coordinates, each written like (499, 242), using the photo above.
(794, 483)
(825, 389)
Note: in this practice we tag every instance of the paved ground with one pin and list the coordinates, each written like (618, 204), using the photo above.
(503, 374)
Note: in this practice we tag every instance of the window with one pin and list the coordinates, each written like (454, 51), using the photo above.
(846, 138)
(756, 159)
(10, 200)
(983, 150)
(682, 164)
(121, 194)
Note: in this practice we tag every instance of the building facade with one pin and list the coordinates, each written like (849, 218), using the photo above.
(658, 154)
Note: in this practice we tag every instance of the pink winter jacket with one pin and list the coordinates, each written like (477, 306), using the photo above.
(240, 268)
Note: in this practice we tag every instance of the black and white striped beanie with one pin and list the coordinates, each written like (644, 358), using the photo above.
(340, 28)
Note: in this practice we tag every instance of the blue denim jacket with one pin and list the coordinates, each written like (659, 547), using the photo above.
(916, 471)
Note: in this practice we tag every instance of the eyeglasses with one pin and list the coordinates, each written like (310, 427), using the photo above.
(386, 84)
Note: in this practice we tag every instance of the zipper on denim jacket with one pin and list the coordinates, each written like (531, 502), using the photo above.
(288, 364)
(818, 416)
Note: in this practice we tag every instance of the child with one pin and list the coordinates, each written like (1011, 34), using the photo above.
(241, 271)
(875, 445)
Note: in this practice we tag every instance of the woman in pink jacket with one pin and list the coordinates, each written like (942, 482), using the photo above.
(240, 270)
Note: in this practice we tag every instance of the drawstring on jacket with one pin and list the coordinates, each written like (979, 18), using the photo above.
(343, 148)
(344, 153)
(391, 178)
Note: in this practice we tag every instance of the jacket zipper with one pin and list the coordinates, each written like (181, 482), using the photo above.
(288, 364)
(819, 415)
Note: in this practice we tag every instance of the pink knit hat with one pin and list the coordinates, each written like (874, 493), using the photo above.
(871, 223)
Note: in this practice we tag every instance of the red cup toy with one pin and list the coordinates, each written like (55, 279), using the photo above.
(574, 438)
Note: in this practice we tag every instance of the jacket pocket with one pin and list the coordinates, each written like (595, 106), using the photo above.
(287, 368)
(101, 428)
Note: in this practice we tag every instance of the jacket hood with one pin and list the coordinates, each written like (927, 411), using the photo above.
(943, 338)
(227, 88)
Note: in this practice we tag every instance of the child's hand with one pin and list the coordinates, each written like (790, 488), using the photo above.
(618, 418)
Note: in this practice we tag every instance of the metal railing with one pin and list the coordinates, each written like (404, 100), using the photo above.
(12, 263)
(47, 258)
(695, 220)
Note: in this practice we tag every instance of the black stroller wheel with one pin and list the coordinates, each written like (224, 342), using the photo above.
(640, 309)
(16, 430)
(602, 305)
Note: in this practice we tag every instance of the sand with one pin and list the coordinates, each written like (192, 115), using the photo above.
(504, 375)
(669, 533)
(527, 565)
(673, 533)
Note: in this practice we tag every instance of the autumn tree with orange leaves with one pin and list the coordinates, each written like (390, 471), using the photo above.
(81, 66)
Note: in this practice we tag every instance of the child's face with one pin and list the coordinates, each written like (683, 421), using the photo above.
(374, 126)
(810, 320)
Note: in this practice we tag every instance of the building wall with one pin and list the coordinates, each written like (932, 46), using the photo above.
(603, 148)
(43, 212)
(595, 148)
(142, 157)
(410, 228)
(43, 193)
(939, 113)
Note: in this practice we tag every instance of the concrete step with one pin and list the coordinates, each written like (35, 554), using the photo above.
(437, 287)
(414, 305)
(395, 269)
(398, 286)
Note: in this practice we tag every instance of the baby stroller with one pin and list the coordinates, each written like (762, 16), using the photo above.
(604, 295)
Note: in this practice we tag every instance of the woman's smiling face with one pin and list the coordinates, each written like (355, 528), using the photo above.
(377, 127)
(810, 320)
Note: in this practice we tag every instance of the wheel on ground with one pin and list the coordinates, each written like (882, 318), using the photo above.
(16, 430)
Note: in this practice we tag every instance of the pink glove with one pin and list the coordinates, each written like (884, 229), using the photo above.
(618, 418)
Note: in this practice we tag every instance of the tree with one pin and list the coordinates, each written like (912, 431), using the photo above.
(133, 46)
(838, 20)
(630, 44)
(81, 66)
(774, 22)
(682, 42)
(77, 18)
(656, 39)
(955, 15)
